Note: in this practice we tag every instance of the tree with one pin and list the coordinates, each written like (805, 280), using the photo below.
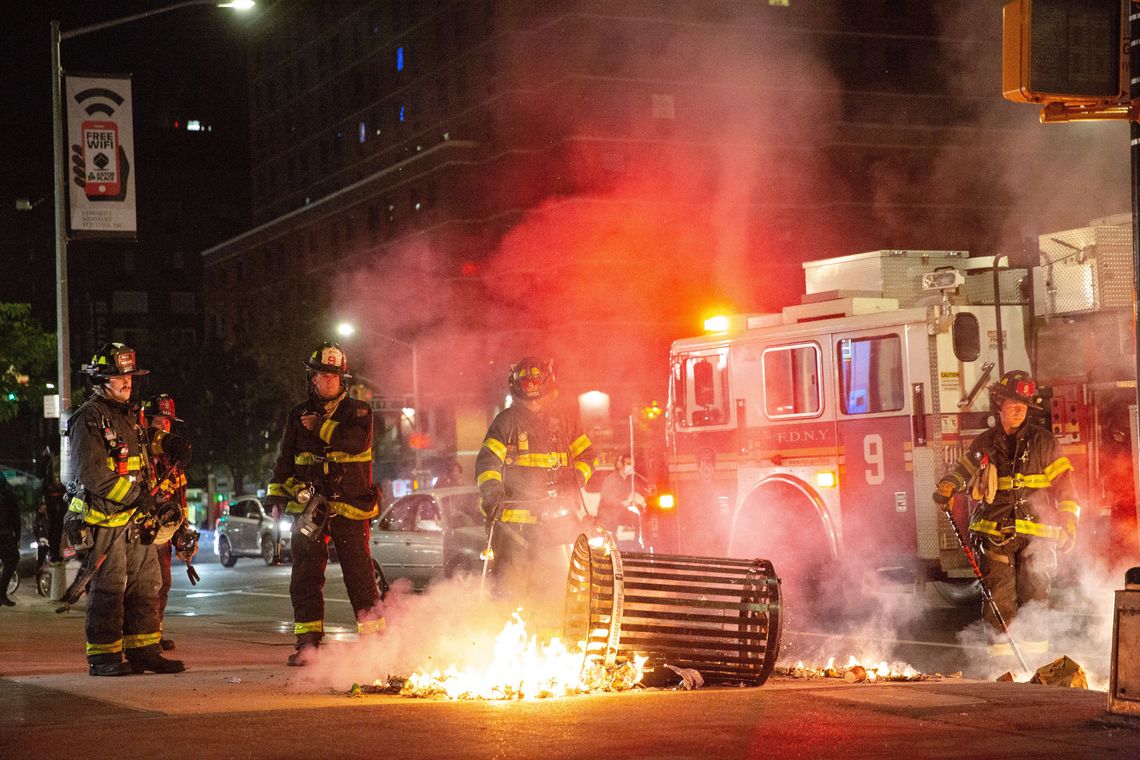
(27, 359)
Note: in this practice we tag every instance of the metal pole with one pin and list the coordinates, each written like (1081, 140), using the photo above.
(1134, 150)
(418, 426)
(62, 318)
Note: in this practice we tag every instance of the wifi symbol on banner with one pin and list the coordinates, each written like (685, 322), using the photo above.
(97, 94)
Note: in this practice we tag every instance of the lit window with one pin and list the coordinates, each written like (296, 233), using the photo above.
(403, 113)
(400, 59)
(193, 125)
(363, 132)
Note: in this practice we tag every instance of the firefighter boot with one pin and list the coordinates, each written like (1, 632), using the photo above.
(150, 658)
(305, 654)
(107, 665)
(166, 644)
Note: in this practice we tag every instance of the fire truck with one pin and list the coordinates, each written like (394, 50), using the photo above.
(815, 436)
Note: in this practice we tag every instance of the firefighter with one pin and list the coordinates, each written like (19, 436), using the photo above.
(533, 461)
(160, 412)
(1027, 504)
(327, 444)
(114, 516)
(622, 500)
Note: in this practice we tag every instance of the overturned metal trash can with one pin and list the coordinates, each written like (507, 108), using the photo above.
(718, 616)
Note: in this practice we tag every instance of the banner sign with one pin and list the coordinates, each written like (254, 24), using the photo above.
(100, 157)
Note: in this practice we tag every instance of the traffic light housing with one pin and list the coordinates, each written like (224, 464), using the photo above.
(1065, 51)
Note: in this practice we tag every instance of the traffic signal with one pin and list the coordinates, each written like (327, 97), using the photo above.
(1065, 51)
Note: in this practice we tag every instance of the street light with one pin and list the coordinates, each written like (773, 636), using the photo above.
(347, 330)
(62, 318)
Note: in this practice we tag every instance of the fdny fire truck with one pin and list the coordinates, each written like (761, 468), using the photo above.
(815, 436)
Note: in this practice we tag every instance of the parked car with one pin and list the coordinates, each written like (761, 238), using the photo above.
(246, 530)
(426, 534)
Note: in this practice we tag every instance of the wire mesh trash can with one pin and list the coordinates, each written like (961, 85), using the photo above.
(718, 616)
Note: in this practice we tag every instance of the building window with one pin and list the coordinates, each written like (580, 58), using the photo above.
(182, 303)
(129, 302)
(400, 58)
(362, 132)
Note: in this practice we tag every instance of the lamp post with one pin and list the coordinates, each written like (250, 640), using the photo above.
(347, 330)
(62, 317)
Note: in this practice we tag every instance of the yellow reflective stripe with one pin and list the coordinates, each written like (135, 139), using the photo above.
(314, 626)
(519, 516)
(581, 443)
(1070, 506)
(1061, 464)
(336, 457)
(133, 464)
(989, 527)
(353, 513)
(327, 430)
(276, 489)
(370, 626)
(585, 469)
(546, 461)
(488, 475)
(1021, 527)
(294, 507)
(120, 490)
(92, 516)
(114, 646)
(1027, 528)
(1004, 649)
(77, 504)
(139, 640)
(496, 447)
(1035, 647)
(1023, 481)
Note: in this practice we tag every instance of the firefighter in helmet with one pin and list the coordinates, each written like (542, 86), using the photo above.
(172, 454)
(533, 461)
(1027, 507)
(327, 446)
(115, 515)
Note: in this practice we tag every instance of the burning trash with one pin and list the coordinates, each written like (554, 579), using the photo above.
(521, 667)
(856, 672)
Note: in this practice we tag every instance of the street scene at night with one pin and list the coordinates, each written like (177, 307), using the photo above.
(577, 378)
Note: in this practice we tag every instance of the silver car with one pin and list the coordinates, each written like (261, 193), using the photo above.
(426, 534)
(246, 530)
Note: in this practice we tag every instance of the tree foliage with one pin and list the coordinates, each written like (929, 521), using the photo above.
(27, 359)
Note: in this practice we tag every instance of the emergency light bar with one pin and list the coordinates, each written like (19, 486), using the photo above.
(942, 279)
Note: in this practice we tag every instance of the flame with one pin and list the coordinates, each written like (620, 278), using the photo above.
(859, 671)
(522, 667)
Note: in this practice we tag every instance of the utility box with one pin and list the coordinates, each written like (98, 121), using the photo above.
(879, 274)
(1124, 678)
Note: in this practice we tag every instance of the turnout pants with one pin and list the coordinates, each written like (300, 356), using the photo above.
(122, 603)
(1017, 573)
(9, 557)
(164, 554)
(307, 582)
(531, 562)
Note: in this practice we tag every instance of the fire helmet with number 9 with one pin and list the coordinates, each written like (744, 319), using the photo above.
(1015, 385)
(328, 357)
(532, 378)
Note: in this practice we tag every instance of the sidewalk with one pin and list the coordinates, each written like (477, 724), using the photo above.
(237, 699)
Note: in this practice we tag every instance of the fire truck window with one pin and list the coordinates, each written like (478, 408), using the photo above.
(708, 381)
(967, 337)
(871, 375)
(791, 381)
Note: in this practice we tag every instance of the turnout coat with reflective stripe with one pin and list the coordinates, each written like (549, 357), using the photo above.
(524, 451)
(1031, 471)
(105, 495)
(343, 439)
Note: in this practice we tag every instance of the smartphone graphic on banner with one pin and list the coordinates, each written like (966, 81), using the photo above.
(100, 158)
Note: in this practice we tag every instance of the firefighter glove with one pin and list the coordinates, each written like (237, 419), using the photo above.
(1067, 538)
(145, 504)
(177, 448)
(943, 494)
(493, 512)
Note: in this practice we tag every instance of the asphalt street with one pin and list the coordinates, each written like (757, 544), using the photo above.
(237, 698)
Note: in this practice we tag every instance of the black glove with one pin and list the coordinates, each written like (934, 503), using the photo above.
(177, 448)
(145, 504)
(493, 513)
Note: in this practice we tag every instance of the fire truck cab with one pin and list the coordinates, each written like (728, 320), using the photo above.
(815, 435)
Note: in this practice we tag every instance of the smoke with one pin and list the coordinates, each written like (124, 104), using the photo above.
(449, 624)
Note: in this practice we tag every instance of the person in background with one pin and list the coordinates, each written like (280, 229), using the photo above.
(9, 538)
